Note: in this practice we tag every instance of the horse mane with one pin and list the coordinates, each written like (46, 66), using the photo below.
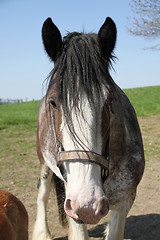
(79, 68)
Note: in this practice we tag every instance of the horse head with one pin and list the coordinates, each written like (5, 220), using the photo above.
(79, 100)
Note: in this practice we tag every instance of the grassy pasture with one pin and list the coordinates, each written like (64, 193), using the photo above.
(19, 114)
(146, 102)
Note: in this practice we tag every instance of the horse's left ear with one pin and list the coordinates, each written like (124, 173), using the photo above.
(107, 37)
(52, 39)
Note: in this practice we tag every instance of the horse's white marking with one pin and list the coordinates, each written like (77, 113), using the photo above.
(83, 182)
(87, 126)
(41, 231)
(78, 230)
(115, 228)
(84, 179)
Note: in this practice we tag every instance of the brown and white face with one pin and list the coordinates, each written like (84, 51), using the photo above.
(85, 198)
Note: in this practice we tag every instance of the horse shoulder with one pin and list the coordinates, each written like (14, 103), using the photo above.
(13, 217)
(125, 147)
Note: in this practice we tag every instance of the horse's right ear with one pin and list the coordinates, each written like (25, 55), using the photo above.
(107, 37)
(52, 39)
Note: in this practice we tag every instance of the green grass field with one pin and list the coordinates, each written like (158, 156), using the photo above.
(19, 114)
(146, 102)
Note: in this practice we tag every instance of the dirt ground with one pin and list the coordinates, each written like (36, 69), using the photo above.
(143, 221)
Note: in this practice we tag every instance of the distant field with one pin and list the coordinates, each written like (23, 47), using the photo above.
(19, 113)
(146, 101)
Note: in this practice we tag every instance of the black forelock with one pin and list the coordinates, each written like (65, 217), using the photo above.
(80, 68)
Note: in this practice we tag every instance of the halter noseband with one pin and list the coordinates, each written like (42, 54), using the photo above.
(85, 156)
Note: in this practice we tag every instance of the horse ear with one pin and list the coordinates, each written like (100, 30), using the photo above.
(107, 37)
(52, 39)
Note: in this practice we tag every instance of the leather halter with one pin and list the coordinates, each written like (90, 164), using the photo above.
(86, 156)
(79, 155)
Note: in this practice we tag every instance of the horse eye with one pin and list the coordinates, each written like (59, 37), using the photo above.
(53, 103)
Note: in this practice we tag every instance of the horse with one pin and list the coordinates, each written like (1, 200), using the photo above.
(13, 218)
(89, 141)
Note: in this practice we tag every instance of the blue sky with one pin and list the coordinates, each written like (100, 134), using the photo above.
(24, 64)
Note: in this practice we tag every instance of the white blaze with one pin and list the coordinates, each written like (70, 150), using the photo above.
(83, 179)
(87, 125)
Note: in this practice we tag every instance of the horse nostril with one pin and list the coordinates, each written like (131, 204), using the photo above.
(69, 210)
(103, 207)
(87, 214)
(68, 205)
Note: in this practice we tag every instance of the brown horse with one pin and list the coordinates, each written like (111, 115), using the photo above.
(88, 139)
(13, 218)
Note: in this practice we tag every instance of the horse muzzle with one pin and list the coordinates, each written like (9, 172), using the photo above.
(88, 214)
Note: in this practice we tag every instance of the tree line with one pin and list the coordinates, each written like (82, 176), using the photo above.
(10, 101)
